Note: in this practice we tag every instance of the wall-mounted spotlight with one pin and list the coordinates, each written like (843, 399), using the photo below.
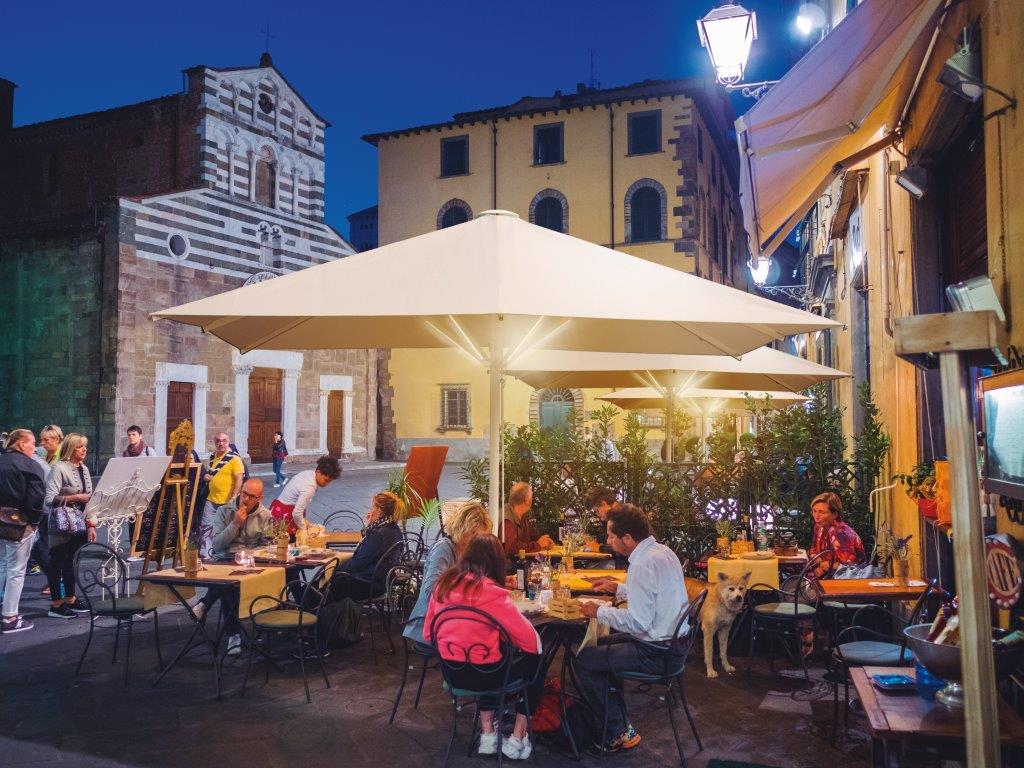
(961, 74)
(914, 179)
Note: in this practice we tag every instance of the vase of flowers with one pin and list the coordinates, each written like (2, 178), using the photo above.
(725, 530)
(572, 542)
(894, 553)
(190, 558)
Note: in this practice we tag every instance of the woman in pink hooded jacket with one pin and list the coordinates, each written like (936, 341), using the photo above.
(476, 581)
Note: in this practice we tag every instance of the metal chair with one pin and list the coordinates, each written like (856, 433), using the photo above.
(298, 618)
(860, 646)
(795, 602)
(345, 519)
(378, 597)
(102, 580)
(673, 654)
(506, 688)
(403, 591)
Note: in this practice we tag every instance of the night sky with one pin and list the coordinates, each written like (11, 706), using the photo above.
(365, 67)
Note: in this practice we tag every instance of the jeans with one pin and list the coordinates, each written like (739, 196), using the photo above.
(13, 562)
(485, 677)
(228, 607)
(206, 531)
(278, 474)
(593, 665)
(62, 566)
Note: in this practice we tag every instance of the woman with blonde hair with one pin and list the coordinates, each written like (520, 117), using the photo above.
(50, 438)
(355, 579)
(466, 523)
(68, 490)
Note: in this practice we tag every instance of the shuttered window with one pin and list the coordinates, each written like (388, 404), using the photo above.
(455, 407)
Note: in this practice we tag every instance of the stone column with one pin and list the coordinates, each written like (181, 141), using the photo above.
(322, 442)
(274, 168)
(295, 192)
(346, 440)
(252, 176)
(160, 416)
(241, 436)
(289, 405)
(231, 168)
(198, 414)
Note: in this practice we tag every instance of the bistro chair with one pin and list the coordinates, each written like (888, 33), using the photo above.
(343, 520)
(862, 646)
(414, 550)
(403, 591)
(102, 580)
(377, 601)
(507, 688)
(781, 617)
(673, 655)
(301, 619)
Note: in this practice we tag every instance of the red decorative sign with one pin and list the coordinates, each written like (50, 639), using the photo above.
(1004, 579)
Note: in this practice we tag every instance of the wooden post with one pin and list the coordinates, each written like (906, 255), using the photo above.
(953, 337)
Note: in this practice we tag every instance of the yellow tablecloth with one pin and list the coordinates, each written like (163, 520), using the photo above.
(761, 571)
(558, 551)
(262, 580)
(580, 582)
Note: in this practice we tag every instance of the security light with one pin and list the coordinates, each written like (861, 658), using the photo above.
(975, 295)
(962, 73)
(727, 32)
(809, 18)
(914, 179)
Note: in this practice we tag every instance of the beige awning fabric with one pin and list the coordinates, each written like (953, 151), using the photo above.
(836, 102)
(762, 369)
(701, 400)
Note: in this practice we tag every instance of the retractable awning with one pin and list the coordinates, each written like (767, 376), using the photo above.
(829, 112)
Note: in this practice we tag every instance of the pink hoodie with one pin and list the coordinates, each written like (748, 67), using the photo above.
(458, 635)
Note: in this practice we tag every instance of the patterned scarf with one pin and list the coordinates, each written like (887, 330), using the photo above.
(132, 451)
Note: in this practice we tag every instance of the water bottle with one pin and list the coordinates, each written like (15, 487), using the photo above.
(762, 540)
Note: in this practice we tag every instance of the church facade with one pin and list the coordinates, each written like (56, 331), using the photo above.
(113, 215)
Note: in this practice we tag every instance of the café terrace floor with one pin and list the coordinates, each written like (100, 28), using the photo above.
(49, 715)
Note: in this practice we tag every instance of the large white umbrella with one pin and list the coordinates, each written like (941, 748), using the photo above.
(762, 369)
(494, 287)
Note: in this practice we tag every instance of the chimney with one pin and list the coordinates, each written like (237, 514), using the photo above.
(6, 104)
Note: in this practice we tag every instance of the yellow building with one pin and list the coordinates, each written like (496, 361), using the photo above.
(645, 168)
(874, 252)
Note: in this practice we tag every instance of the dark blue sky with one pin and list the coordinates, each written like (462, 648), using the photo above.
(366, 67)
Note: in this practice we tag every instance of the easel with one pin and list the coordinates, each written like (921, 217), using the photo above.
(959, 339)
(172, 511)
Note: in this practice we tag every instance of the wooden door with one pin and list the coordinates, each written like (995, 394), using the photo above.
(335, 422)
(264, 412)
(180, 405)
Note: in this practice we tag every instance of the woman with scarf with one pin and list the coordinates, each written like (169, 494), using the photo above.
(136, 445)
(355, 579)
(833, 535)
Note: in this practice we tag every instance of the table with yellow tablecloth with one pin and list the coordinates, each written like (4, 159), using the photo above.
(583, 581)
(251, 582)
(764, 571)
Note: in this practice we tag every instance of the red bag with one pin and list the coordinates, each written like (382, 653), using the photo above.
(547, 718)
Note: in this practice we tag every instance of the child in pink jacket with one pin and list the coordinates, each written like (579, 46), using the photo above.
(476, 581)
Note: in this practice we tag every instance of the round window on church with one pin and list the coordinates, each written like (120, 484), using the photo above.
(177, 245)
(266, 104)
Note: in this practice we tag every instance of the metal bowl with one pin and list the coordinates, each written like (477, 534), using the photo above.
(943, 661)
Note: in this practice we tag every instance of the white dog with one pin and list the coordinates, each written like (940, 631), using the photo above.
(723, 604)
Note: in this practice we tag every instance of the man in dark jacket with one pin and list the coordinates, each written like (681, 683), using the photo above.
(22, 488)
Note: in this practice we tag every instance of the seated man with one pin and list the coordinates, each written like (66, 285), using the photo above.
(237, 525)
(517, 530)
(657, 598)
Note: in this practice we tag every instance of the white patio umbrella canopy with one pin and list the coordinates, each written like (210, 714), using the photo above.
(494, 287)
(702, 400)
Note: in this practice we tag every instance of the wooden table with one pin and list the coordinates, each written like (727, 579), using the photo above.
(900, 716)
(860, 590)
(214, 575)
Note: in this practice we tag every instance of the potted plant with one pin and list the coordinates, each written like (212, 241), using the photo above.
(919, 485)
(894, 553)
(725, 529)
(190, 557)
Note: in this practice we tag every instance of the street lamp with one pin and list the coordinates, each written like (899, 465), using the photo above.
(727, 32)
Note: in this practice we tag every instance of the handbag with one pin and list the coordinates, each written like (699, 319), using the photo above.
(13, 526)
(858, 572)
(64, 519)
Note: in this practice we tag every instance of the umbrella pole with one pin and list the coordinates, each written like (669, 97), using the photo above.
(494, 434)
(671, 399)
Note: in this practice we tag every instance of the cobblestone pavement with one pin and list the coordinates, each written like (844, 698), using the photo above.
(49, 715)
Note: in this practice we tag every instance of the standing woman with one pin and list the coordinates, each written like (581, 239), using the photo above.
(469, 521)
(50, 438)
(67, 491)
(278, 452)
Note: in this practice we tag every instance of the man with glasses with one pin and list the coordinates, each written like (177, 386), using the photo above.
(223, 477)
(241, 524)
(600, 501)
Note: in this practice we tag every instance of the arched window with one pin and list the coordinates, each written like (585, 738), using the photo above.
(645, 212)
(556, 408)
(550, 209)
(266, 181)
(453, 212)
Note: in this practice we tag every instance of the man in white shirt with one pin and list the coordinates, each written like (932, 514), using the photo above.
(657, 599)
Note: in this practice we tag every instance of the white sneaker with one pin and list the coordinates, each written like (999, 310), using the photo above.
(488, 743)
(277, 485)
(517, 749)
(234, 645)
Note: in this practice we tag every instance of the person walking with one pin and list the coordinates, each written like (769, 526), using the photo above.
(278, 452)
(22, 490)
(136, 445)
(223, 477)
(68, 490)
